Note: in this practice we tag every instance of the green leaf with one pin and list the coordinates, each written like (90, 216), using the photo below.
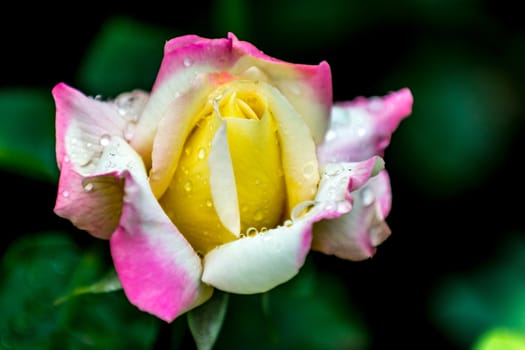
(36, 270)
(311, 311)
(109, 283)
(125, 55)
(466, 306)
(27, 135)
(501, 339)
(205, 321)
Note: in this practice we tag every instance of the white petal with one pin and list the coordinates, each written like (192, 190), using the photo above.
(222, 182)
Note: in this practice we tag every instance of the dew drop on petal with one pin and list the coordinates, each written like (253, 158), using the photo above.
(187, 62)
(65, 194)
(209, 203)
(252, 231)
(202, 153)
(288, 223)
(130, 104)
(309, 170)
(330, 135)
(367, 196)
(187, 186)
(259, 215)
(104, 140)
(89, 187)
(129, 130)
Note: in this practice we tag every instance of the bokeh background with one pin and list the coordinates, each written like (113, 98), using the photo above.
(451, 276)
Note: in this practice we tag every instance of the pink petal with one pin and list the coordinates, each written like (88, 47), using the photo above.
(356, 235)
(93, 205)
(157, 267)
(363, 127)
(83, 127)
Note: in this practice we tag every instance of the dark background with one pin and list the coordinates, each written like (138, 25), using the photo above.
(447, 217)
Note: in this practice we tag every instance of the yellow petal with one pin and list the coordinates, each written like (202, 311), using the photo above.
(188, 200)
(257, 166)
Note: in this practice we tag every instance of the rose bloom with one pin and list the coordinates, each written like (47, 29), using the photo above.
(226, 174)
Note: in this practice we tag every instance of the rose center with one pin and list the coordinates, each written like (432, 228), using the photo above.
(255, 159)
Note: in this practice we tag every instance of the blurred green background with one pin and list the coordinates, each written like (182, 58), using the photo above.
(451, 276)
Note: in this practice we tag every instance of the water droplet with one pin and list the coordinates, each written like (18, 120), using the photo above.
(89, 145)
(187, 186)
(98, 97)
(252, 231)
(130, 104)
(244, 209)
(332, 170)
(104, 140)
(209, 203)
(288, 223)
(263, 229)
(187, 151)
(129, 130)
(89, 187)
(330, 135)
(361, 131)
(309, 170)
(187, 62)
(367, 196)
(66, 159)
(257, 182)
(65, 194)
(202, 153)
(259, 215)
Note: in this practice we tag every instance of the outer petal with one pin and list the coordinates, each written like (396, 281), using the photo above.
(356, 235)
(362, 128)
(258, 263)
(157, 267)
(83, 127)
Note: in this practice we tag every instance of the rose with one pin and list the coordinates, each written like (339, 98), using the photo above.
(216, 178)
